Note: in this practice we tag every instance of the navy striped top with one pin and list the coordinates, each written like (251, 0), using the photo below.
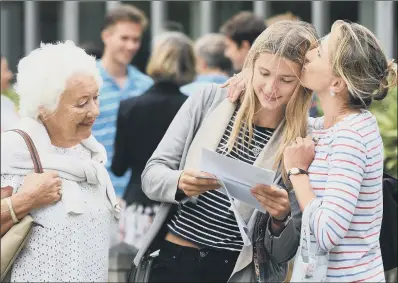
(209, 222)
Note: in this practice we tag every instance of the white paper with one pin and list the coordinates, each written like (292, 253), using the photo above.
(236, 179)
(237, 176)
(239, 219)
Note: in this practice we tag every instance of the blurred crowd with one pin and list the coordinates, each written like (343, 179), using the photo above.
(136, 108)
(177, 67)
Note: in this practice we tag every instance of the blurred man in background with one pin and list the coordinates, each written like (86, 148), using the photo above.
(121, 36)
(211, 64)
(240, 32)
(142, 122)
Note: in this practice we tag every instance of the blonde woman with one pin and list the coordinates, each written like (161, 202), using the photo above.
(196, 233)
(341, 185)
(172, 64)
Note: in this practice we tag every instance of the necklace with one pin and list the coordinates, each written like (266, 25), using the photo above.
(256, 147)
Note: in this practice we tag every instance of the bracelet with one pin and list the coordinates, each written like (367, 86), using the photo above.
(12, 212)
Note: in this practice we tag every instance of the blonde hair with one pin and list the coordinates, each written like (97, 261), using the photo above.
(172, 59)
(360, 61)
(290, 40)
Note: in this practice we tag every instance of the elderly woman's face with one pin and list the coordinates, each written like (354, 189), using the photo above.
(76, 112)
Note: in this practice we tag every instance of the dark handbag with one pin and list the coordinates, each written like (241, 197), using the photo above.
(266, 267)
(389, 230)
(142, 272)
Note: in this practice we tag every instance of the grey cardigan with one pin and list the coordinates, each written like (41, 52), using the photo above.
(200, 123)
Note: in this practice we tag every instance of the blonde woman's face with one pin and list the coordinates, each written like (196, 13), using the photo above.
(275, 79)
(317, 72)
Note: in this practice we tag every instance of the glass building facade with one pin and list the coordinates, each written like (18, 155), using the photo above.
(24, 24)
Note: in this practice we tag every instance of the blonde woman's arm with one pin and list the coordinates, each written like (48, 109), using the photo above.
(331, 220)
(161, 176)
(282, 239)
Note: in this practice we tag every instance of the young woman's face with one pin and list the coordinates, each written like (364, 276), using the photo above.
(317, 72)
(275, 79)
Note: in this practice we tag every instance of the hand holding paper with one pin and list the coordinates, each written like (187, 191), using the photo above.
(238, 177)
(194, 182)
(274, 199)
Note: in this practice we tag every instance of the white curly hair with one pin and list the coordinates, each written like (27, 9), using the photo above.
(43, 73)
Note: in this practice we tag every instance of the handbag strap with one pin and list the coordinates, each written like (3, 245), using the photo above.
(305, 227)
(307, 232)
(32, 150)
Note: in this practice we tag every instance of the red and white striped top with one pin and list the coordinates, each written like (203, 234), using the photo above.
(347, 174)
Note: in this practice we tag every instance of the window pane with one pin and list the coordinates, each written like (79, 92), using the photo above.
(49, 20)
(302, 9)
(224, 10)
(12, 28)
(91, 17)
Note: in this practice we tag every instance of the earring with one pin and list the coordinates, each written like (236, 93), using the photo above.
(332, 93)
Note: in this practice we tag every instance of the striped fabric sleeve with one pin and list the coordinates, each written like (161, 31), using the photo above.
(347, 161)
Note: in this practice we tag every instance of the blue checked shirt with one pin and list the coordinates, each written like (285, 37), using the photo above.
(104, 129)
(201, 81)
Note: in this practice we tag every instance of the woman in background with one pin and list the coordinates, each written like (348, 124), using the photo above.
(142, 122)
(9, 114)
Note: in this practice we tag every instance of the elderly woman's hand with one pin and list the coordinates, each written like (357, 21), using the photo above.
(274, 199)
(237, 85)
(6, 192)
(42, 189)
(299, 154)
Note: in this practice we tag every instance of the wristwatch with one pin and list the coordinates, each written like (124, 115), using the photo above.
(285, 221)
(296, 171)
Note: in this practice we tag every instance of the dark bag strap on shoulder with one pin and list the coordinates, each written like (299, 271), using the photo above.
(32, 150)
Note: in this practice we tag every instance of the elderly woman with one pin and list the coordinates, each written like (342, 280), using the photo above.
(58, 86)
